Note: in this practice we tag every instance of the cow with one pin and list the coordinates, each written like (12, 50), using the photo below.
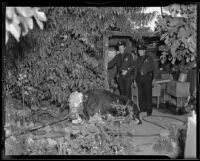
(101, 101)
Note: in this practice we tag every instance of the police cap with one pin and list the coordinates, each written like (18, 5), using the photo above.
(121, 43)
(141, 47)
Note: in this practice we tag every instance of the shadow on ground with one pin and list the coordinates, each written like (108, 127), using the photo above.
(168, 108)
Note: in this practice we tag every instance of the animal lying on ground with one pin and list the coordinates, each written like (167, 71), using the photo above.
(101, 101)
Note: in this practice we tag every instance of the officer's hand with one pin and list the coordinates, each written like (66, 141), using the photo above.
(124, 72)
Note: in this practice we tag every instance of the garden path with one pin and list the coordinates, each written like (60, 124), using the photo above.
(145, 144)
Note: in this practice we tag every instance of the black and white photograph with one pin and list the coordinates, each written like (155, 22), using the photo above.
(94, 81)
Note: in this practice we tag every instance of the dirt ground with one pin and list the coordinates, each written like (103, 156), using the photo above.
(145, 144)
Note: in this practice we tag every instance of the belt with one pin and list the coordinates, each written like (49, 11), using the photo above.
(143, 73)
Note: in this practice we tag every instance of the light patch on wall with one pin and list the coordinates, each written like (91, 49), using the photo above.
(152, 9)
(111, 54)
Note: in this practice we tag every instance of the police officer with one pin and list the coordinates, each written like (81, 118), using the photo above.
(124, 63)
(144, 76)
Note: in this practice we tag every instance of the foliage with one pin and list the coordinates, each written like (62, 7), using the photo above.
(92, 138)
(179, 34)
(97, 137)
(174, 144)
(19, 20)
(68, 54)
(191, 103)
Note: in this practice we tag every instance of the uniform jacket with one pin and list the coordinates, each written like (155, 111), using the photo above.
(148, 65)
(122, 61)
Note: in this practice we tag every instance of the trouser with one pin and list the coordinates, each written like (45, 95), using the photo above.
(144, 84)
(124, 83)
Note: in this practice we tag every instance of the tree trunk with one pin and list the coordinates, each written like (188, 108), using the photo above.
(161, 10)
(105, 56)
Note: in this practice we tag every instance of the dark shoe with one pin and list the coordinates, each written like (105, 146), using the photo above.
(138, 121)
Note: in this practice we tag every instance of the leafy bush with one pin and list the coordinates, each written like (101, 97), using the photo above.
(179, 34)
(68, 54)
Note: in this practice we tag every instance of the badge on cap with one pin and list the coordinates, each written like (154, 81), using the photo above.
(121, 43)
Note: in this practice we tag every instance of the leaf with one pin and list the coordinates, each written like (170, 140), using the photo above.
(10, 12)
(24, 28)
(173, 60)
(174, 46)
(182, 33)
(163, 36)
(192, 49)
(174, 9)
(40, 24)
(192, 42)
(185, 42)
(29, 22)
(194, 25)
(14, 29)
(40, 15)
(184, 15)
(167, 40)
(183, 8)
(25, 11)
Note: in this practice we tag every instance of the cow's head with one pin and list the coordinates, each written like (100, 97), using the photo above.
(75, 99)
(76, 103)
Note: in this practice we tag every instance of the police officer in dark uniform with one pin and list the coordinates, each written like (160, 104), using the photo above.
(124, 63)
(144, 76)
